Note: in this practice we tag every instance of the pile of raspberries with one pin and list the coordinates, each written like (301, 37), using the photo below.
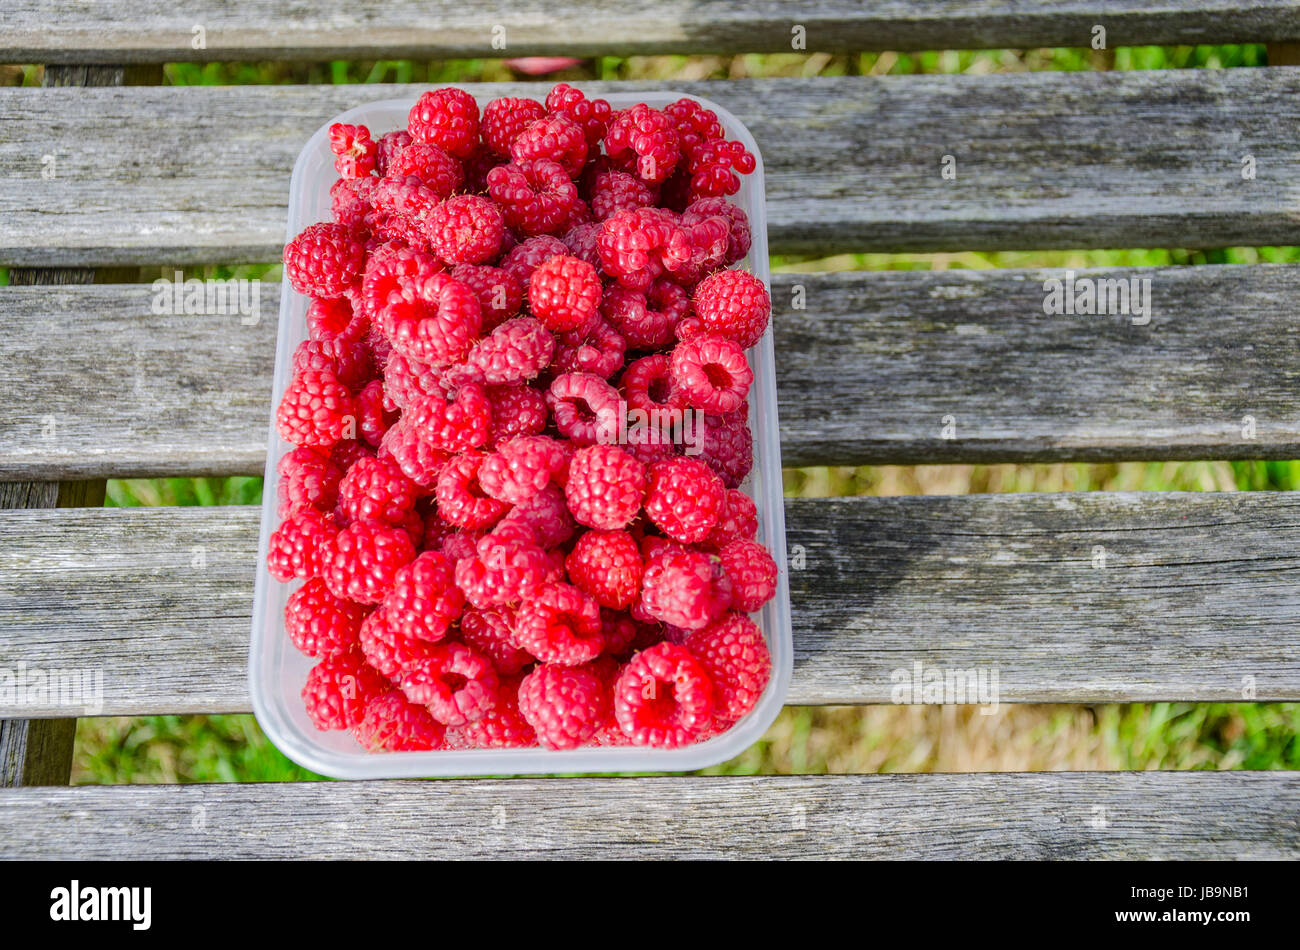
(482, 564)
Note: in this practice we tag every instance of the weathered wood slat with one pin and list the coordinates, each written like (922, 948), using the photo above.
(1026, 816)
(1106, 159)
(868, 372)
(154, 31)
(1079, 597)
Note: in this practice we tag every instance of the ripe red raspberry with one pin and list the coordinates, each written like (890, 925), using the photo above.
(454, 423)
(392, 723)
(393, 273)
(334, 318)
(338, 689)
(591, 115)
(407, 380)
(559, 624)
(739, 521)
(664, 697)
(530, 254)
(564, 292)
(295, 547)
(320, 624)
(500, 296)
(536, 197)
(448, 118)
(648, 139)
(466, 229)
(346, 453)
(710, 165)
(739, 237)
(554, 137)
(431, 167)
(375, 489)
(635, 245)
(517, 409)
(439, 326)
(607, 565)
(752, 573)
(457, 684)
(585, 407)
(735, 655)
(390, 146)
(615, 191)
(705, 244)
(387, 650)
(521, 467)
(709, 373)
(646, 319)
(606, 487)
(308, 478)
(346, 358)
(566, 706)
(728, 446)
(324, 260)
(359, 563)
(351, 206)
(601, 351)
(514, 352)
(501, 727)
(546, 514)
(357, 154)
(583, 242)
(685, 588)
(374, 418)
(461, 499)
(419, 461)
(684, 497)
(503, 120)
(619, 630)
(424, 600)
(694, 123)
(401, 208)
(505, 569)
(647, 385)
(734, 304)
(488, 630)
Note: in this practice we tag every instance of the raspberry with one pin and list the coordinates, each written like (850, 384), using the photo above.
(521, 467)
(522, 260)
(705, 244)
(393, 723)
(615, 191)
(407, 380)
(487, 630)
(373, 417)
(505, 569)
(503, 120)
(648, 138)
(735, 656)
(347, 359)
(324, 260)
(500, 296)
(390, 147)
(402, 207)
(477, 167)
(564, 292)
(320, 624)
(357, 154)
(591, 115)
(461, 499)
(457, 684)
(351, 207)
(646, 319)
(738, 238)
(710, 165)
(694, 123)
(684, 497)
(600, 352)
(709, 373)
(295, 548)
(585, 407)
(334, 318)
(738, 521)
(430, 166)
(734, 304)
(419, 461)
(457, 423)
(448, 118)
(619, 630)
(583, 242)
(375, 489)
(307, 479)
(514, 352)
(752, 573)
(647, 385)
(564, 705)
(559, 624)
(338, 689)
(546, 514)
(536, 197)
(606, 565)
(459, 545)
(424, 600)
(360, 562)
(517, 409)
(728, 446)
(663, 697)
(633, 243)
(346, 453)
(439, 326)
(685, 588)
(605, 487)
(466, 229)
(387, 650)
(555, 137)
(501, 727)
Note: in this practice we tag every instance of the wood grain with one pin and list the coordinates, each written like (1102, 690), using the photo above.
(1043, 160)
(1075, 597)
(867, 373)
(149, 31)
(1034, 816)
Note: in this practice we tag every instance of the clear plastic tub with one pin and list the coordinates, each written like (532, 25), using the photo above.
(277, 671)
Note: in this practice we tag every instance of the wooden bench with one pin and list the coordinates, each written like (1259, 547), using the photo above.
(1196, 599)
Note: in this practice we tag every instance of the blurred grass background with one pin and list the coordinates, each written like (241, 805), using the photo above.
(804, 739)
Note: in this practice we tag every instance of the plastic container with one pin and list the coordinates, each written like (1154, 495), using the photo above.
(277, 671)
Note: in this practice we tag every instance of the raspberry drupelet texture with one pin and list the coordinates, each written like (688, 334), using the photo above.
(390, 146)
(376, 489)
(329, 319)
(733, 304)
(517, 409)
(735, 655)
(738, 521)
(360, 562)
(295, 547)
(320, 624)
(559, 624)
(338, 689)
(709, 372)
(430, 166)
(453, 422)
(554, 137)
(564, 293)
(515, 352)
(308, 478)
(684, 497)
(684, 587)
(392, 723)
(439, 326)
(522, 467)
(424, 600)
(739, 236)
(530, 254)
(349, 360)
(647, 139)
(466, 229)
(357, 153)
(507, 567)
(488, 630)
(536, 197)
(461, 499)
(499, 295)
(606, 565)
(565, 705)
(448, 118)
(546, 515)
(664, 697)
(752, 573)
(591, 115)
(316, 410)
(501, 727)
(324, 260)
(456, 683)
(728, 446)
(584, 406)
(419, 461)
(386, 649)
(503, 119)
(600, 351)
(605, 488)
